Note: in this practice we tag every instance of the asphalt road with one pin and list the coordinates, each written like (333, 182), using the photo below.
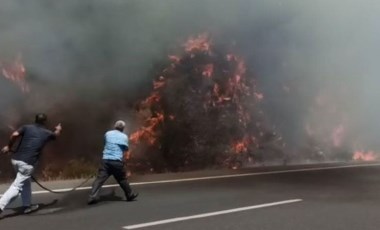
(286, 198)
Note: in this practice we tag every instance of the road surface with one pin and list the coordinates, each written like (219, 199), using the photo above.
(288, 198)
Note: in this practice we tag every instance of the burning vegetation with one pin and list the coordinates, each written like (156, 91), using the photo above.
(204, 110)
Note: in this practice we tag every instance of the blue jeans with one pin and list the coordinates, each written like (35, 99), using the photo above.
(20, 185)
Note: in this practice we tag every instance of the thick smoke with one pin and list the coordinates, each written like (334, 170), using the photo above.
(88, 61)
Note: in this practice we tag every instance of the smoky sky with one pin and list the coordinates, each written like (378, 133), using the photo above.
(95, 51)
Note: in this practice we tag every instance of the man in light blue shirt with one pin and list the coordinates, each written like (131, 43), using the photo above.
(116, 145)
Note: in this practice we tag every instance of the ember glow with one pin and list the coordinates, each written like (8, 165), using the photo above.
(15, 72)
(241, 147)
(198, 43)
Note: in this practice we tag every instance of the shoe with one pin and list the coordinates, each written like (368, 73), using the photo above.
(31, 208)
(132, 196)
(92, 201)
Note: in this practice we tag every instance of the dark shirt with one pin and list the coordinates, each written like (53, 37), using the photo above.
(33, 139)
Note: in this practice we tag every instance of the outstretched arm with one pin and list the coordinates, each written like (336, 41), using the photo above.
(12, 140)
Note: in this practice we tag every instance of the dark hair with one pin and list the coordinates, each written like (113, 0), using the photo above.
(41, 118)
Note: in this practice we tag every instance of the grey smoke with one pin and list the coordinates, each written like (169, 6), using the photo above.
(94, 55)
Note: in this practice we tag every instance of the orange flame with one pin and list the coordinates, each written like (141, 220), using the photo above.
(148, 132)
(15, 72)
(152, 99)
(241, 146)
(199, 43)
(364, 156)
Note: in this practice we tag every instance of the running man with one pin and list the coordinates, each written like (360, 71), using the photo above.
(33, 138)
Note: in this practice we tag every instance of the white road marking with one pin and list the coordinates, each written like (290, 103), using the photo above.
(204, 215)
(218, 177)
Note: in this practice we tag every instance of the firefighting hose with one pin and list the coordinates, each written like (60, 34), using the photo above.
(60, 191)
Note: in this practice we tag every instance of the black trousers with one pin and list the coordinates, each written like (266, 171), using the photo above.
(108, 168)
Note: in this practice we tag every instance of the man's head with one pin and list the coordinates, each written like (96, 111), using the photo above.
(41, 119)
(120, 125)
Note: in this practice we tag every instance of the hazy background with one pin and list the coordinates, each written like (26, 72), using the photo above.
(88, 62)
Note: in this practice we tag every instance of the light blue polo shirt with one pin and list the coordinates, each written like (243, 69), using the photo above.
(116, 143)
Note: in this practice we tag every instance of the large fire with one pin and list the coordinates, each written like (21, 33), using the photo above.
(204, 109)
(201, 108)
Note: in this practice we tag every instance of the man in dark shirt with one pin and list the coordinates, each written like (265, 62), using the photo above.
(32, 140)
